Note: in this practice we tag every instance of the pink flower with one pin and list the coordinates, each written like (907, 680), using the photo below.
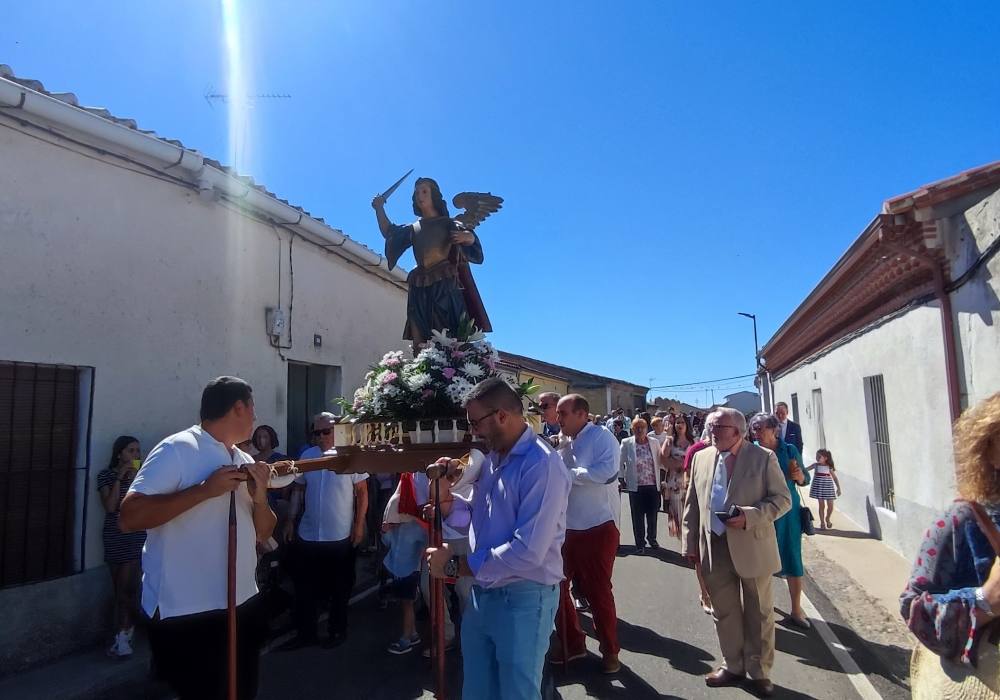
(389, 377)
(393, 362)
(448, 373)
(427, 393)
(458, 354)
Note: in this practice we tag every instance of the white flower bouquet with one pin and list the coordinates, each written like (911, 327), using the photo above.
(432, 385)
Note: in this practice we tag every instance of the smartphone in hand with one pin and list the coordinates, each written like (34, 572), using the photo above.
(725, 515)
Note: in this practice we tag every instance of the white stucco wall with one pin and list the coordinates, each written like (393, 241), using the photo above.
(907, 351)
(976, 306)
(160, 291)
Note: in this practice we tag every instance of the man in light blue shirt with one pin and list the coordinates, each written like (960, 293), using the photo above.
(516, 536)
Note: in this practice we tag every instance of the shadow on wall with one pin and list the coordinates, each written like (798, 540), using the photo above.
(874, 526)
(983, 301)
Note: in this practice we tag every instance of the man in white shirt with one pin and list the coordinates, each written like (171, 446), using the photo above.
(333, 525)
(591, 454)
(180, 496)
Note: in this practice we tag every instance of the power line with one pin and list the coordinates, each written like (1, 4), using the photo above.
(708, 381)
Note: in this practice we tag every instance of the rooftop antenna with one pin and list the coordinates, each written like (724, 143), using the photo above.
(212, 96)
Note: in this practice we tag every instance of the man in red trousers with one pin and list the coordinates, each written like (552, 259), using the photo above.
(591, 454)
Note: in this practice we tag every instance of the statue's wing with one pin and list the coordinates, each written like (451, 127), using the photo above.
(477, 205)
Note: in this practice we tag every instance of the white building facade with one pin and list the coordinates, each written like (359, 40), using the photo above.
(900, 337)
(133, 271)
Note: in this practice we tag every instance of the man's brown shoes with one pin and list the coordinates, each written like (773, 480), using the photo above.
(610, 664)
(723, 678)
(762, 687)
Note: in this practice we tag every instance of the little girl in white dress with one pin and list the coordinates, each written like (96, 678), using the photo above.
(825, 486)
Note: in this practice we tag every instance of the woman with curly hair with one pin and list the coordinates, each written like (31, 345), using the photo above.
(954, 587)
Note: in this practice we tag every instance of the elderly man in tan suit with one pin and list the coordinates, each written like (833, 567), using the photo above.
(738, 555)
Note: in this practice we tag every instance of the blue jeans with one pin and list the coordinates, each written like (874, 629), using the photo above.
(505, 634)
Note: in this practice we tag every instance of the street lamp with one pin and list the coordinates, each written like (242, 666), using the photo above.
(756, 348)
(758, 370)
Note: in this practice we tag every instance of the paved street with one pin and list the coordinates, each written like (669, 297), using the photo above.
(668, 644)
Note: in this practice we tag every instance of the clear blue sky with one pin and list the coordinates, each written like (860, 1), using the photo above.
(664, 165)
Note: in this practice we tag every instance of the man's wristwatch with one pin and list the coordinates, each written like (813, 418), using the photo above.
(451, 568)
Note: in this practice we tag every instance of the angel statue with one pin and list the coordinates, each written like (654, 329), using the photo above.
(441, 288)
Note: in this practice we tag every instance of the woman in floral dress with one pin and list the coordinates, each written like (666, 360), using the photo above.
(954, 587)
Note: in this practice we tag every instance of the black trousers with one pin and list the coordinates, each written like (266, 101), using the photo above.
(323, 572)
(189, 652)
(644, 504)
(378, 497)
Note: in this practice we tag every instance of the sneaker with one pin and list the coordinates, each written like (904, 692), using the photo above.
(404, 645)
(122, 646)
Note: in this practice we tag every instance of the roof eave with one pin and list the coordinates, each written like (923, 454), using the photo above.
(868, 239)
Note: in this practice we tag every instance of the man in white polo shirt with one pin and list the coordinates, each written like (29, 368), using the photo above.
(591, 454)
(180, 496)
(333, 525)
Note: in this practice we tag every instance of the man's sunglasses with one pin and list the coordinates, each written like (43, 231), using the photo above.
(323, 431)
(474, 423)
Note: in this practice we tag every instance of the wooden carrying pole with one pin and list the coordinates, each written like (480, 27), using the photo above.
(437, 602)
(231, 601)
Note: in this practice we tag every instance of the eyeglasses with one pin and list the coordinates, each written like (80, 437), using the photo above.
(716, 428)
(475, 423)
(322, 431)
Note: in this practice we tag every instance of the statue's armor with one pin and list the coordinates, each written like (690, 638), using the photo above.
(431, 241)
(435, 300)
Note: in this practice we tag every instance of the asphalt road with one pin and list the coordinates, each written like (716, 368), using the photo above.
(668, 645)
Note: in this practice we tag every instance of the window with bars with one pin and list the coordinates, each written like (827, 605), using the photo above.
(44, 420)
(878, 432)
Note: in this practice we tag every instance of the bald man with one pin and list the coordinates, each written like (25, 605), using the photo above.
(591, 454)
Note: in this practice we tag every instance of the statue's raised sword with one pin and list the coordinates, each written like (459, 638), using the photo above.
(397, 183)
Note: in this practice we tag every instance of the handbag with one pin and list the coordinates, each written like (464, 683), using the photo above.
(806, 518)
(935, 678)
(805, 514)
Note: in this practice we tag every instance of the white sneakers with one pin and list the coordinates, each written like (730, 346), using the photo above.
(122, 646)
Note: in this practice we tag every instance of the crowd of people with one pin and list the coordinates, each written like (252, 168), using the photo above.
(531, 534)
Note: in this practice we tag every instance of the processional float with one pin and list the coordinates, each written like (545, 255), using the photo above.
(408, 413)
